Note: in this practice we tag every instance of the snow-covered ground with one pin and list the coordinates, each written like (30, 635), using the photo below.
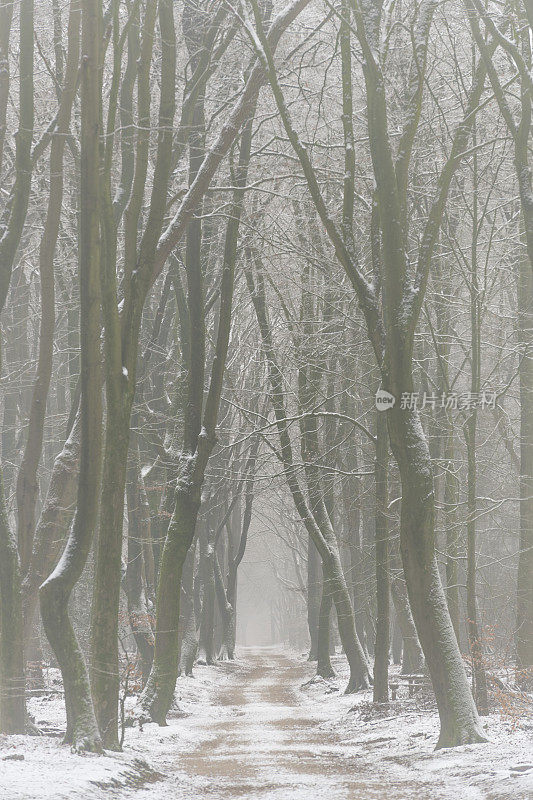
(248, 729)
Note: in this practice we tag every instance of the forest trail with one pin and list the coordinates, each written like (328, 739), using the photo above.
(247, 730)
(267, 743)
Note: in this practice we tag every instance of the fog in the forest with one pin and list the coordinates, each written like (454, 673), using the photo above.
(266, 399)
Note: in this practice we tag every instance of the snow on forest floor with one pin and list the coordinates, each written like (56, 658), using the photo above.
(254, 729)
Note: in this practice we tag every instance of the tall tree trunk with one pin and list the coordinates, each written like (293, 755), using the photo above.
(524, 620)
(27, 480)
(381, 650)
(457, 711)
(228, 604)
(470, 429)
(12, 700)
(82, 728)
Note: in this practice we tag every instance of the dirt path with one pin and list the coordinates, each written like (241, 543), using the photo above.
(267, 743)
(247, 730)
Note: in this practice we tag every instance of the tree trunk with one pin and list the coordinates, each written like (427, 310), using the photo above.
(397, 641)
(12, 680)
(207, 615)
(12, 701)
(82, 729)
(452, 528)
(470, 430)
(27, 481)
(381, 650)
(138, 532)
(351, 494)
(524, 621)
(313, 597)
(54, 523)
(189, 639)
(105, 678)
(458, 716)
(359, 671)
(158, 693)
(412, 659)
(324, 667)
(479, 679)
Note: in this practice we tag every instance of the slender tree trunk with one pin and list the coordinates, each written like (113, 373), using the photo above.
(105, 677)
(122, 342)
(313, 596)
(476, 646)
(229, 598)
(324, 666)
(227, 613)
(479, 679)
(207, 616)
(12, 680)
(524, 621)
(381, 650)
(138, 532)
(397, 641)
(452, 528)
(412, 657)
